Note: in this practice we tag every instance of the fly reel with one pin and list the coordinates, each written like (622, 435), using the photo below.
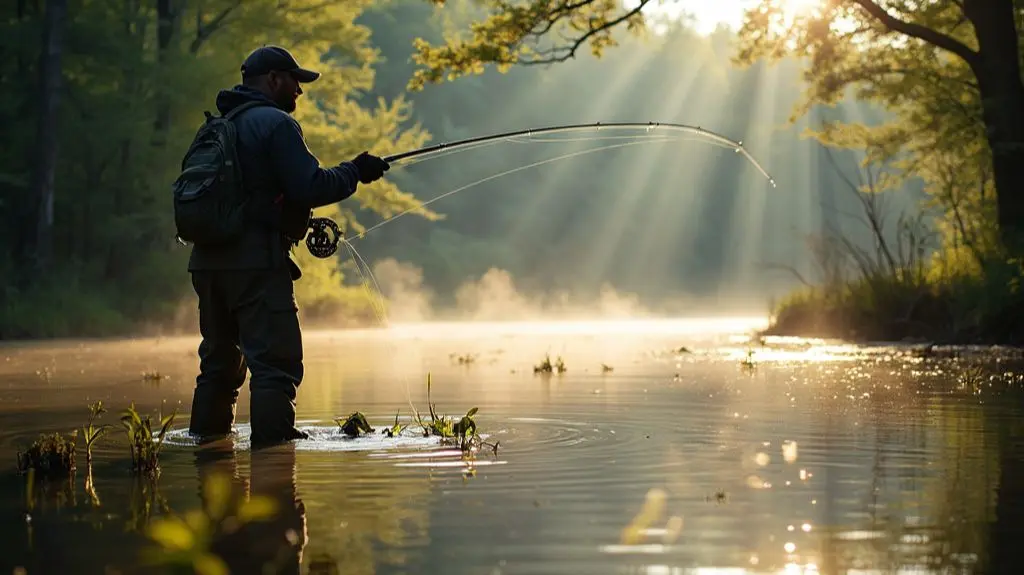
(324, 236)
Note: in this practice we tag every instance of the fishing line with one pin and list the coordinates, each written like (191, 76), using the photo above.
(377, 299)
(381, 313)
(368, 279)
(512, 171)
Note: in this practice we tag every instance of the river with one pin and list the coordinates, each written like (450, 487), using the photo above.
(693, 451)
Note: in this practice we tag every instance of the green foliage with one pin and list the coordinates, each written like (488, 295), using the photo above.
(132, 98)
(515, 33)
(52, 455)
(648, 219)
(143, 444)
(947, 307)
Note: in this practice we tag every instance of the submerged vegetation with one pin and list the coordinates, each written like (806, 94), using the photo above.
(546, 366)
(52, 455)
(461, 432)
(354, 424)
(143, 444)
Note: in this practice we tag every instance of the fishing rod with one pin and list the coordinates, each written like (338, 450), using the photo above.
(648, 127)
(325, 234)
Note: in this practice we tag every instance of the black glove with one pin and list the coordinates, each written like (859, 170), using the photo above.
(371, 168)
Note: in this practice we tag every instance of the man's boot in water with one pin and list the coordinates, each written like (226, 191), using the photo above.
(272, 417)
(213, 413)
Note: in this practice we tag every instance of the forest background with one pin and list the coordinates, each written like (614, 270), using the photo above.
(888, 231)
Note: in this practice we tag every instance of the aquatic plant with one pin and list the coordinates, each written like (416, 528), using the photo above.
(395, 429)
(186, 542)
(153, 376)
(464, 359)
(142, 443)
(354, 424)
(748, 362)
(547, 367)
(50, 455)
(719, 496)
(90, 432)
(462, 432)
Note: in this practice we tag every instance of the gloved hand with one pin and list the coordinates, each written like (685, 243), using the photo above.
(371, 168)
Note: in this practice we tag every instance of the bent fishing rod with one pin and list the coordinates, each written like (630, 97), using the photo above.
(325, 234)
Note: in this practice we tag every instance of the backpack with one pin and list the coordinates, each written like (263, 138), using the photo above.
(209, 202)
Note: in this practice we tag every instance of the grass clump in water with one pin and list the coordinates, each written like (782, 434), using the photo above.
(463, 359)
(51, 455)
(143, 444)
(461, 432)
(547, 367)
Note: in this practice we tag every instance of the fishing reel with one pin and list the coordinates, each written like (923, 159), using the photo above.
(324, 236)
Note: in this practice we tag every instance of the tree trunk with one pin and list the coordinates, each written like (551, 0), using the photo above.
(1002, 93)
(45, 160)
(168, 13)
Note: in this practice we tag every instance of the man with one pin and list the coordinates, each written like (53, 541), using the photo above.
(247, 312)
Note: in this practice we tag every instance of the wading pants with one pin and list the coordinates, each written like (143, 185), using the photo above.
(249, 321)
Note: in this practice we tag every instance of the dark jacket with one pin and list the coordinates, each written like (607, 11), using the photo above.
(284, 180)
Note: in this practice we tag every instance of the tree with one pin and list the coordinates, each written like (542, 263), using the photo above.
(880, 47)
(43, 172)
(133, 79)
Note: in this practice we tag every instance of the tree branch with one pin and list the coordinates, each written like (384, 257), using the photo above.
(933, 37)
(204, 31)
(569, 52)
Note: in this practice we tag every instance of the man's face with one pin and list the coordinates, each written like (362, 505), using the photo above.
(284, 90)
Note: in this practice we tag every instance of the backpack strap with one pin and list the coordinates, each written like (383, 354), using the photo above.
(239, 109)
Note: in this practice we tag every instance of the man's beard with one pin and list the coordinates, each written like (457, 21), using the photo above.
(286, 103)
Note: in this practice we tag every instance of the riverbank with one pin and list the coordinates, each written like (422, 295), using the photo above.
(967, 309)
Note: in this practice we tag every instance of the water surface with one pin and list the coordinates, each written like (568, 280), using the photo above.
(814, 457)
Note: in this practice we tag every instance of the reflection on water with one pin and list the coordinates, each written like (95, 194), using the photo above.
(701, 452)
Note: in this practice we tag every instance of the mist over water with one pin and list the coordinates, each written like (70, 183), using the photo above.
(496, 297)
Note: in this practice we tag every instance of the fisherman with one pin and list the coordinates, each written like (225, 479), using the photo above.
(248, 317)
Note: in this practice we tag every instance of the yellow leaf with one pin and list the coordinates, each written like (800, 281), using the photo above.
(197, 521)
(257, 509)
(209, 564)
(172, 534)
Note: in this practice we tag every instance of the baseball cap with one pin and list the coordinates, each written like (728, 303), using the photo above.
(275, 59)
